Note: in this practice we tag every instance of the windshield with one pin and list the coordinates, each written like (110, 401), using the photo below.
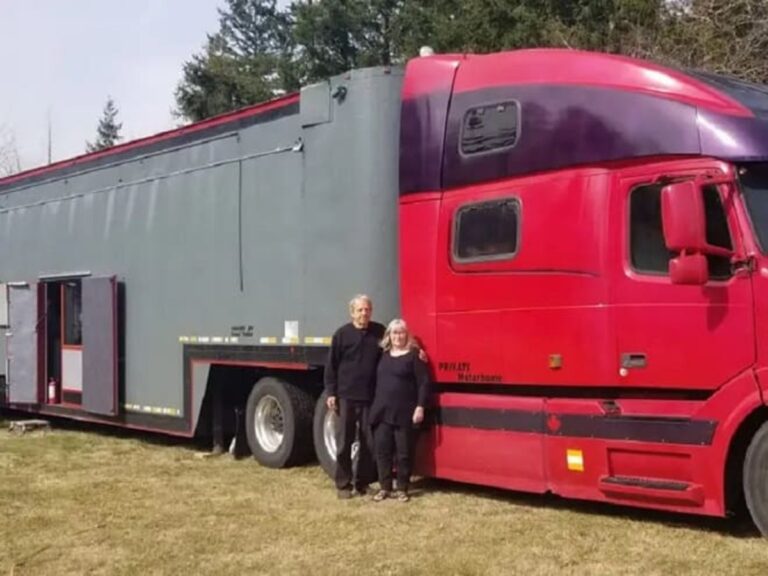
(754, 185)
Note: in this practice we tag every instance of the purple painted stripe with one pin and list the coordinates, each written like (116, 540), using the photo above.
(422, 132)
(564, 126)
(733, 138)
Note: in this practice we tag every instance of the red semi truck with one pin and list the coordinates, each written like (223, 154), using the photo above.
(583, 246)
(582, 251)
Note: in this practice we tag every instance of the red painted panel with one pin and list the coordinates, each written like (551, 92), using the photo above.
(505, 459)
(418, 244)
(426, 75)
(590, 69)
(609, 458)
(507, 319)
(695, 337)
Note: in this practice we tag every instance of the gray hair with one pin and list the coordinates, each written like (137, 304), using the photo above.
(359, 298)
(397, 323)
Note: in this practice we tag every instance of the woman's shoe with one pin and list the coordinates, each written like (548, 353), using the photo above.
(381, 495)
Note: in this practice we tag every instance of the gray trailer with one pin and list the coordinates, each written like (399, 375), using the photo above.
(169, 283)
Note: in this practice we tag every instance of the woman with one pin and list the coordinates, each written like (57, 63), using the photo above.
(402, 386)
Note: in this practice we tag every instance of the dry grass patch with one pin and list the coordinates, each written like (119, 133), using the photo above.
(76, 502)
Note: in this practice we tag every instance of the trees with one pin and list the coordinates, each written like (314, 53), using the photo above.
(725, 36)
(108, 130)
(250, 59)
(10, 163)
(261, 51)
(333, 36)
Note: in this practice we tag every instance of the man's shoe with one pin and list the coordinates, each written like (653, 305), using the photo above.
(360, 491)
(344, 494)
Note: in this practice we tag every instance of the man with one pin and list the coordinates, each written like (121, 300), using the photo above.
(350, 379)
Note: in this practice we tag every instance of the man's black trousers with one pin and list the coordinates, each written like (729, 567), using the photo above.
(353, 418)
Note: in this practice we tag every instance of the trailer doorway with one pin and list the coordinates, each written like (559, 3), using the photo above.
(64, 340)
(81, 343)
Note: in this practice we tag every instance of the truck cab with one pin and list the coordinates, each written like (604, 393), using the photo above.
(592, 227)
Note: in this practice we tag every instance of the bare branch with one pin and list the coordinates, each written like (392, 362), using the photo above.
(10, 162)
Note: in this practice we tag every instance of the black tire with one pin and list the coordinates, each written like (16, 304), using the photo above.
(756, 479)
(278, 423)
(325, 453)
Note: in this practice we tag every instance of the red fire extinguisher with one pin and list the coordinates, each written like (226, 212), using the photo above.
(53, 391)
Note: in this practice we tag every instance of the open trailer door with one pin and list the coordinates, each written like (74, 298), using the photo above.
(100, 346)
(22, 340)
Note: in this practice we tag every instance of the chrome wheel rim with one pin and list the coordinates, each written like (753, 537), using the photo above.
(269, 424)
(329, 433)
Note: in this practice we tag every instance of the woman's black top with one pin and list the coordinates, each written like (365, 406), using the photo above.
(402, 383)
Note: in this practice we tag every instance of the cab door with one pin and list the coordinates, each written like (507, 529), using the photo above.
(676, 336)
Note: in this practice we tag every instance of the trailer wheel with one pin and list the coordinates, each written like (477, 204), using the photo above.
(324, 433)
(324, 430)
(279, 423)
(756, 479)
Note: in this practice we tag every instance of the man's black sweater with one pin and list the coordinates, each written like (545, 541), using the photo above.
(350, 372)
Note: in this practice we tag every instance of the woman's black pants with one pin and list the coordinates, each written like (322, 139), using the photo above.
(390, 441)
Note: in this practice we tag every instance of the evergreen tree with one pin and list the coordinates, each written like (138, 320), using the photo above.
(108, 130)
(250, 59)
(261, 51)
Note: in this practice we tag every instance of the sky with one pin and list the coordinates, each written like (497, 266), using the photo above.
(63, 58)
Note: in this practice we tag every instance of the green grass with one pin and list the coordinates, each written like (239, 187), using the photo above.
(88, 502)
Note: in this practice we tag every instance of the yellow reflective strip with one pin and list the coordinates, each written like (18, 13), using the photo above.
(317, 340)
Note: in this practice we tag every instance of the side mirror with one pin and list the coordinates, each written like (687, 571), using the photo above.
(684, 221)
(683, 217)
(689, 269)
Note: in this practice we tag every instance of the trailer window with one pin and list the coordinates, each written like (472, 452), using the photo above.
(73, 333)
(490, 127)
(648, 250)
(487, 231)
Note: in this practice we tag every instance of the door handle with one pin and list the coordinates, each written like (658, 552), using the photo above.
(633, 360)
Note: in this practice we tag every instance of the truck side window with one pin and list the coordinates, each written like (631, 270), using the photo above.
(487, 230)
(648, 251)
(489, 127)
(646, 236)
(717, 233)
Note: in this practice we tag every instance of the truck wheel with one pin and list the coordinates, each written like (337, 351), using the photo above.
(324, 434)
(756, 479)
(279, 423)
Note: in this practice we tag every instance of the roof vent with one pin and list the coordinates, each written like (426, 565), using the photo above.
(425, 51)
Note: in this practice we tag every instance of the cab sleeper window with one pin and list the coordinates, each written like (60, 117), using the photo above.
(490, 127)
(487, 231)
(648, 250)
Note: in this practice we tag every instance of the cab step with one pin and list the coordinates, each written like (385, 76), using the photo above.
(652, 490)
